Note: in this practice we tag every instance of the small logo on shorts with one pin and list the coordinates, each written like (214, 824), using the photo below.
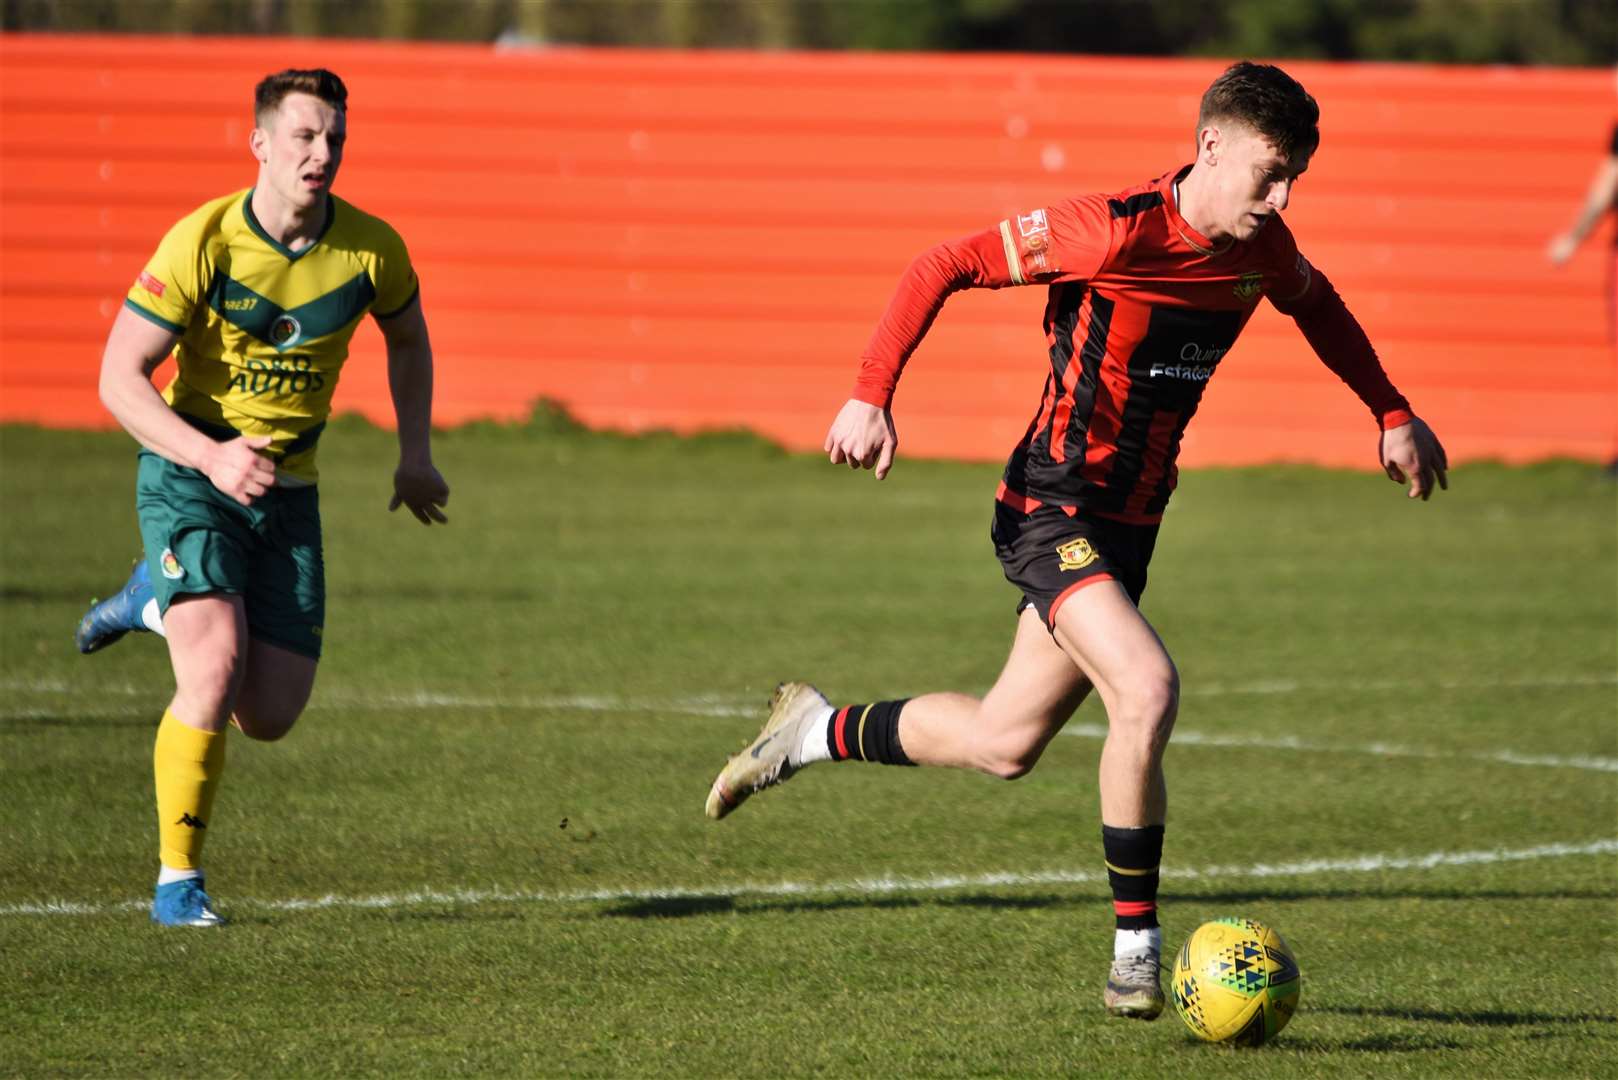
(171, 566)
(1076, 554)
(285, 331)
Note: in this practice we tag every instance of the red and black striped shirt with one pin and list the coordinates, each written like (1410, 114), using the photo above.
(1141, 311)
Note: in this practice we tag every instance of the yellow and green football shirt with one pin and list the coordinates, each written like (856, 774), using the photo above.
(264, 329)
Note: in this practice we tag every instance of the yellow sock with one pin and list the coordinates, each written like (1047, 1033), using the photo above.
(187, 764)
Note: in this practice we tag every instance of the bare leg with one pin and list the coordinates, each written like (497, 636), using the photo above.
(1004, 733)
(207, 639)
(1109, 639)
(221, 675)
(217, 673)
(275, 691)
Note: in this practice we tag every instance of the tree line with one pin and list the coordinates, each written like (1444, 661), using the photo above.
(1567, 32)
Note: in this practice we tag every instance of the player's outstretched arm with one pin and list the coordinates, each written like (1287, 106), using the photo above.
(417, 484)
(1412, 452)
(135, 347)
(1599, 200)
(864, 437)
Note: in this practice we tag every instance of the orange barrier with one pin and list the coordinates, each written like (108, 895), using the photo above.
(691, 240)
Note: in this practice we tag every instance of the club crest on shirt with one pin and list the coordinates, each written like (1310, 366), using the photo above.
(171, 566)
(1076, 554)
(284, 331)
(1248, 285)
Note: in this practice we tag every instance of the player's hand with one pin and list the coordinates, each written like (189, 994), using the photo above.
(1561, 248)
(1412, 452)
(239, 470)
(421, 489)
(863, 436)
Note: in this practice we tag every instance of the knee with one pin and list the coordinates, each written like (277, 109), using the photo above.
(269, 706)
(1148, 705)
(265, 726)
(209, 691)
(1011, 768)
(266, 720)
(1010, 755)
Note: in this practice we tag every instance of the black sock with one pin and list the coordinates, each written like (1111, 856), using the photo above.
(1133, 856)
(867, 733)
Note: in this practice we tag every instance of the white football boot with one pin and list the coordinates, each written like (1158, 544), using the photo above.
(1133, 986)
(795, 708)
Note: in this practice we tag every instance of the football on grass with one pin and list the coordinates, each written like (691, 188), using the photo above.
(1235, 981)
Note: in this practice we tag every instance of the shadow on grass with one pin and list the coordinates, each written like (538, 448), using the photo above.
(1271, 896)
(1392, 1043)
(1486, 1018)
(1424, 1041)
(745, 904)
(681, 907)
(673, 908)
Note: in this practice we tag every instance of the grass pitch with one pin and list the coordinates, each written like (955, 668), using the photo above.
(482, 852)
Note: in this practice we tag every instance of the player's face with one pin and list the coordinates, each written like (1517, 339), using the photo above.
(1254, 180)
(300, 149)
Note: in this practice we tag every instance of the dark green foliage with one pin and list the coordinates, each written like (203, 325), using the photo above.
(1458, 31)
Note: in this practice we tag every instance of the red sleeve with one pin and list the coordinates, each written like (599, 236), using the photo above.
(1067, 242)
(1340, 342)
(977, 260)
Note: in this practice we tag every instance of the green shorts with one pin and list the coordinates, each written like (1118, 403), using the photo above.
(199, 540)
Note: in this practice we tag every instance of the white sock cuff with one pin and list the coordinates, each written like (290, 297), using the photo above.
(815, 745)
(1128, 941)
(152, 618)
(167, 875)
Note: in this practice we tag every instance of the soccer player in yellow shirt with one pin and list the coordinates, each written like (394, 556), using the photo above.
(256, 295)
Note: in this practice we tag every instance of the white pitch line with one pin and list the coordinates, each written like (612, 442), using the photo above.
(885, 885)
(730, 705)
(1377, 749)
(416, 700)
(717, 707)
(1292, 686)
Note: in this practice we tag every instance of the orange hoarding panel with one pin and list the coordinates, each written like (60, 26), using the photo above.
(695, 240)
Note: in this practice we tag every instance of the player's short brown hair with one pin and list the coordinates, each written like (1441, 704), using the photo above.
(1269, 101)
(323, 84)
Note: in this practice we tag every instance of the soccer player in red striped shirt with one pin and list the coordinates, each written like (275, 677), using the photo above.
(1148, 290)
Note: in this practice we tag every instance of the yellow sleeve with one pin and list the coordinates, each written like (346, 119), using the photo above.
(170, 288)
(396, 284)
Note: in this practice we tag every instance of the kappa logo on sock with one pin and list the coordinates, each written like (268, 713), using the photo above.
(194, 822)
(171, 566)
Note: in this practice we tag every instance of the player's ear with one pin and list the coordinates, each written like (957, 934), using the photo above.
(258, 141)
(1209, 142)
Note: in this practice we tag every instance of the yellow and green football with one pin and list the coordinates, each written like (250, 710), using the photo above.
(1236, 982)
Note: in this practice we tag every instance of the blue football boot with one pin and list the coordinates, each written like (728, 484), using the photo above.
(184, 903)
(116, 616)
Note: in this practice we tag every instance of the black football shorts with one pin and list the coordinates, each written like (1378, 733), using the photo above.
(1050, 554)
